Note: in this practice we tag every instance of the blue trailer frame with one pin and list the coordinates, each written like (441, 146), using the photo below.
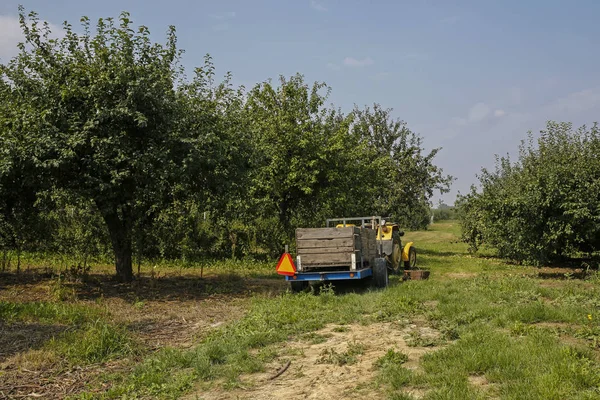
(330, 275)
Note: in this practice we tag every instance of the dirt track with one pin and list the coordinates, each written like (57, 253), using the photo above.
(310, 376)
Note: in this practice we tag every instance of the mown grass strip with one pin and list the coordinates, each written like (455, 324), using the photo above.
(48, 312)
(488, 322)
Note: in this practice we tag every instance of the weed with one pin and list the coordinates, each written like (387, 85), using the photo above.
(349, 357)
(395, 377)
(521, 329)
(391, 357)
(340, 329)
(139, 304)
(61, 291)
(416, 339)
(315, 338)
(591, 334)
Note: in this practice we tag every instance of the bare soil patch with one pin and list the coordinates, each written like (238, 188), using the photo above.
(310, 376)
(478, 380)
(553, 325)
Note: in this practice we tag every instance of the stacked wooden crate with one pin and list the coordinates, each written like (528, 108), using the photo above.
(369, 245)
(333, 247)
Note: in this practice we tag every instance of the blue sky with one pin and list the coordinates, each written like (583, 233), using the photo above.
(472, 77)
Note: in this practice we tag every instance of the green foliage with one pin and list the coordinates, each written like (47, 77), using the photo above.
(543, 207)
(106, 145)
(290, 145)
(407, 176)
(444, 212)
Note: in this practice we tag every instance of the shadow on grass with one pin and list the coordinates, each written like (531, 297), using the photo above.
(562, 273)
(170, 287)
(437, 253)
(19, 337)
(359, 286)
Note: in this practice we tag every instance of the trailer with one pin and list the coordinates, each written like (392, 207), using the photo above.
(352, 248)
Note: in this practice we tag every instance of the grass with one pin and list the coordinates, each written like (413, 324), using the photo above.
(228, 352)
(348, 357)
(504, 332)
(535, 364)
(96, 342)
(47, 312)
(533, 361)
(391, 358)
(87, 337)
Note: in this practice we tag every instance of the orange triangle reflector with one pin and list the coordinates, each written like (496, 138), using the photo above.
(286, 266)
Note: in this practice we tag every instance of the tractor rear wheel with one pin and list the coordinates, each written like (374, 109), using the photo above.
(396, 257)
(412, 259)
(380, 273)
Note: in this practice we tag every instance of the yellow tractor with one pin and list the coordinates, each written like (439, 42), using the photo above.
(389, 238)
(389, 243)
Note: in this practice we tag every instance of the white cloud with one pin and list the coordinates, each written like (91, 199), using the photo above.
(584, 100)
(11, 35)
(468, 146)
(478, 112)
(317, 6)
(354, 62)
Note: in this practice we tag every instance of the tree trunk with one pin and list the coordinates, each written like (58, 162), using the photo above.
(4, 259)
(283, 216)
(18, 259)
(139, 265)
(120, 237)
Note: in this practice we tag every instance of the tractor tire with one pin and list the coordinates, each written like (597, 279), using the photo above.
(396, 257)
(412, 259)
(299, 286)
(380, 273)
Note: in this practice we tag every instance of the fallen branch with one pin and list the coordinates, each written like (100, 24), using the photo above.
(281, 371)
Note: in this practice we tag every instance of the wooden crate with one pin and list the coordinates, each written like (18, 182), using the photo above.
(369, 245)
(333, 247)
(416, 274)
